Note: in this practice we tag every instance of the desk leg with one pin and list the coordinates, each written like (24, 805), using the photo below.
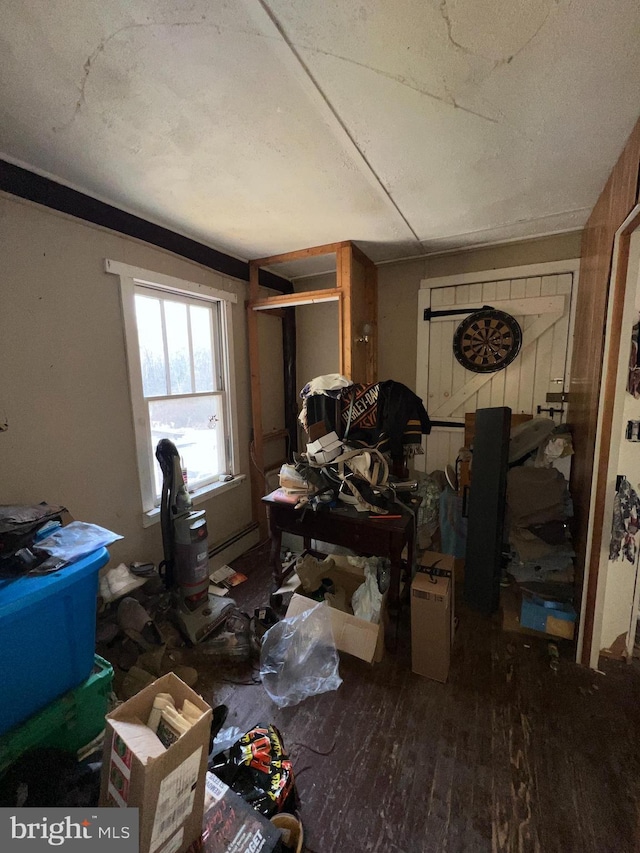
(410, 558)
(393, 596)
(276, 562)
(395, 557)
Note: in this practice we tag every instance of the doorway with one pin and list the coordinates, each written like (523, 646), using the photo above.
(614, 589)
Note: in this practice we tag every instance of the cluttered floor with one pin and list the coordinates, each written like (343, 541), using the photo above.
(521, 750)
(517, 752)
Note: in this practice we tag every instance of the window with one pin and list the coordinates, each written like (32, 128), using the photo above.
(179, 345)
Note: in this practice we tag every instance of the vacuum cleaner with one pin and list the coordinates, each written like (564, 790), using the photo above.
(185, 567)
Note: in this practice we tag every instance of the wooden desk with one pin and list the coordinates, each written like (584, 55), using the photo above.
(349, 528)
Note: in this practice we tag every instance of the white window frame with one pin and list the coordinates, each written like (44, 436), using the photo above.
(131, 277)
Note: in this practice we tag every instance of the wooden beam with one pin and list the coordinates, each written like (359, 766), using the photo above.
(346, 319)
(290, 377)
(371, 300)
(299, 254)
(306, 297)
(254, 283)
(275, 434)
(256, 450)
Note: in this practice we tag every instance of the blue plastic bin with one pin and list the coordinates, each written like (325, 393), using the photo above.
(47, 636)
(548, 617)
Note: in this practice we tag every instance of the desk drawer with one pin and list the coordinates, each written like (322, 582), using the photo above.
(359, 534)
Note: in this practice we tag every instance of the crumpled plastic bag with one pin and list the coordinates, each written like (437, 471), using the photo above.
(226, 739)
(76, 540)
(366, 601)
(299, 658)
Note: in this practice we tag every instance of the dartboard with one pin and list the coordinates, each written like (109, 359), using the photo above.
(487, 340)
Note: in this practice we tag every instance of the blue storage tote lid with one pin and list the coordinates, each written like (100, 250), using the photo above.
(16, 593)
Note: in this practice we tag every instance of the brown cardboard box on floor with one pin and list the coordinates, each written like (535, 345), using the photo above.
(451, 567)
(431, 626)
(358, 637)
(167, 785)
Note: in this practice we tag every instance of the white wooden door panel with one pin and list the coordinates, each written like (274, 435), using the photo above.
(550, 304)
(541, 305)
(533, 328)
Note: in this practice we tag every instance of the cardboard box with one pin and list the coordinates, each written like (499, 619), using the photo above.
(455, 565)
(448, 566)
(167, 785)
(431, 625)
(325, 449)
(231, 825)
(364, 640)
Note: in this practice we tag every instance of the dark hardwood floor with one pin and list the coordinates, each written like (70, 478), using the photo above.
(509, 755)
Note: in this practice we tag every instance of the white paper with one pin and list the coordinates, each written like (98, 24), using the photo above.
(175, 799)
(214, 790)
(291, 584)
(221, 574)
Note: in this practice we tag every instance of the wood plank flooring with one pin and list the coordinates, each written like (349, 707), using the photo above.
(507, 756)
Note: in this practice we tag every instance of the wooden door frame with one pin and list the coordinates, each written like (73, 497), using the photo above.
(593, 592)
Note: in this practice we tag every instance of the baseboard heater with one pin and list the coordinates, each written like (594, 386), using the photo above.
(235, 545)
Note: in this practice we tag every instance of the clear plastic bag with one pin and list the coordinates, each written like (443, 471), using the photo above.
(76, 540)
(299, 658)
(226, 739)
(366, 601)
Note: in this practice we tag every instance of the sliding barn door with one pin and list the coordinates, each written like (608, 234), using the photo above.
(541, 305)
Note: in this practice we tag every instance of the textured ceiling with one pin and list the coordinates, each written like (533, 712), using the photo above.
(263, 126)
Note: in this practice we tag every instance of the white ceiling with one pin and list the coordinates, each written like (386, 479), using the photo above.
(261, 126)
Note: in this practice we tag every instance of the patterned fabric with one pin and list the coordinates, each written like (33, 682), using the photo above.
(633, 381)
(359, 413)
(625, 526)
(387, 416)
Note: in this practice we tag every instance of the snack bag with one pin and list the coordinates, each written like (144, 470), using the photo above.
(257, 768)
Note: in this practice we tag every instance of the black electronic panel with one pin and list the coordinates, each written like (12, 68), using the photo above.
(486, 509)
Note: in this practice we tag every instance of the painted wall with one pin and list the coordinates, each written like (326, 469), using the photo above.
(64, 384)
(617, 579)
(318, 340)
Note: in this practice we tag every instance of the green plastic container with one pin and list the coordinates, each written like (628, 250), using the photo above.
(69, 722)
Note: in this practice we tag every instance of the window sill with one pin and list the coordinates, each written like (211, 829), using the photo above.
(198, 496)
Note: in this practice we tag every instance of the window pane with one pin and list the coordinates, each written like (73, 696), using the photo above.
(149, 322)
(195, 426)
(202, 350)
(175, 316)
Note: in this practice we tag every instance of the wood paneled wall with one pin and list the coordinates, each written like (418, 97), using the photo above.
(617, 199)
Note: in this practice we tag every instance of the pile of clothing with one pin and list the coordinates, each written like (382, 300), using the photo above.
(387, 416)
